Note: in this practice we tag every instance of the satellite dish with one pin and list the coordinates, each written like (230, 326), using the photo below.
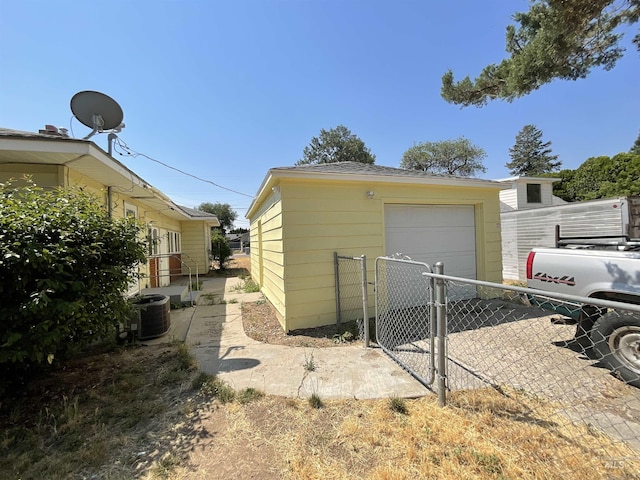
(97, 111)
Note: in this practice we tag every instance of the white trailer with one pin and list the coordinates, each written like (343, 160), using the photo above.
(524, 230)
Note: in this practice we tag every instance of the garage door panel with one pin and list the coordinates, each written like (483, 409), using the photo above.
(434, 215)
(444, 240)
(434, 233)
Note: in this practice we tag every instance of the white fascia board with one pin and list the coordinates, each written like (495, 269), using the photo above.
(45, 145)
(267, 182)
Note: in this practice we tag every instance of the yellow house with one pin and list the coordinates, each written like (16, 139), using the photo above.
(181, 236)
(301, 215)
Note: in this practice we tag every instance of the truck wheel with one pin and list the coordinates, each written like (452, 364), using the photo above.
(616, 342)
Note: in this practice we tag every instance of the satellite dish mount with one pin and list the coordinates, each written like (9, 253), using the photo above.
(98, 112)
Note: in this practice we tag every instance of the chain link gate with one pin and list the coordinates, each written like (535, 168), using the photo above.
(406, 315)
(351, 293)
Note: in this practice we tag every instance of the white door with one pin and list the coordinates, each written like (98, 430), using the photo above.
(163, 263)
(433, 233)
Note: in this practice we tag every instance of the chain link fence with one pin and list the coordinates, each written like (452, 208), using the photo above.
(352, 293)
(580, 355)
(578, 358)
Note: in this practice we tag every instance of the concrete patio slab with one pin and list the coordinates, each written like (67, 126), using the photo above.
(216, 338)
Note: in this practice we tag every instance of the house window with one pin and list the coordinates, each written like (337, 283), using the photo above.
(130, 210)
(534, 193)
(174, 242)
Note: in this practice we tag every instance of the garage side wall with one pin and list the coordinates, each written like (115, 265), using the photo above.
(267, 257)
(322, 218)
(325, 217)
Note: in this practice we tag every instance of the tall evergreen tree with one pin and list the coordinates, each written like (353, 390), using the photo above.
(530, 155)
(554, 39)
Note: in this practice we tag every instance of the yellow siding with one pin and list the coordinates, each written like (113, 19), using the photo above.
(267, 259)
(75, 179)
(195, 247)
(42, 175)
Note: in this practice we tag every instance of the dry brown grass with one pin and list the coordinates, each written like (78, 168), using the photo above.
(482, 435)
(134, 413)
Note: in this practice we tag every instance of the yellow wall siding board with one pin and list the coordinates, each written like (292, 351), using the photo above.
(318, 294)
(310, 282)
(76, 179)
(275, 268)
(330, 218)
(334, 243)
(310, 270)
(348, 230)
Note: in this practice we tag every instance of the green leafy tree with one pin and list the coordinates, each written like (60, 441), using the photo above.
(220, 250)
(64, 265)
(554, 39)
(530, 155)
(636, 146)
(336, 145)
(449, 157)
(600, 177)
(226, 215)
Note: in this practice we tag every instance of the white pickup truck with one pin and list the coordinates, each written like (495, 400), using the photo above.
(610, 272)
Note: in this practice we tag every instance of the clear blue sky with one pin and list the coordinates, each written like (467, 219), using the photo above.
(228, 89)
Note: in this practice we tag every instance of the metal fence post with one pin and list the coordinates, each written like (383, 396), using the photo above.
(365, 301)
(336, 271)
(441, 316)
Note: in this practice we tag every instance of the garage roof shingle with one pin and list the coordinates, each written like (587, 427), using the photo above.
(366, 169)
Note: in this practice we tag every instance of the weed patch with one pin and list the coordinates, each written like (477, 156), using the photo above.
(309, 363)
(247, 285)
(315, 401)
(398, 405)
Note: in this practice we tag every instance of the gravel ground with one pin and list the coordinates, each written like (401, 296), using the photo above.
(502, 344)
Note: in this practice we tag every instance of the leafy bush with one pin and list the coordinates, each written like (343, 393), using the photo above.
(220, 250)
(64, 265)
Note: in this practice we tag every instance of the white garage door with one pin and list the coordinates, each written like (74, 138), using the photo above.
(433, 233)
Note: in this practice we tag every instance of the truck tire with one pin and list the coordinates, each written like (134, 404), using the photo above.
(616, 343)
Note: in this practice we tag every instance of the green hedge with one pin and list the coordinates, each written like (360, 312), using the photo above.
(64, 265)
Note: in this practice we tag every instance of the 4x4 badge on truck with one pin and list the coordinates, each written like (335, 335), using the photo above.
(566, 280)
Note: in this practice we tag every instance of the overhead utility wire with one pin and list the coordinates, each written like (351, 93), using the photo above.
(133, 153)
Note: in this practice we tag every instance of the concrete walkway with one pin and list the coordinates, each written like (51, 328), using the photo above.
(214, 333)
